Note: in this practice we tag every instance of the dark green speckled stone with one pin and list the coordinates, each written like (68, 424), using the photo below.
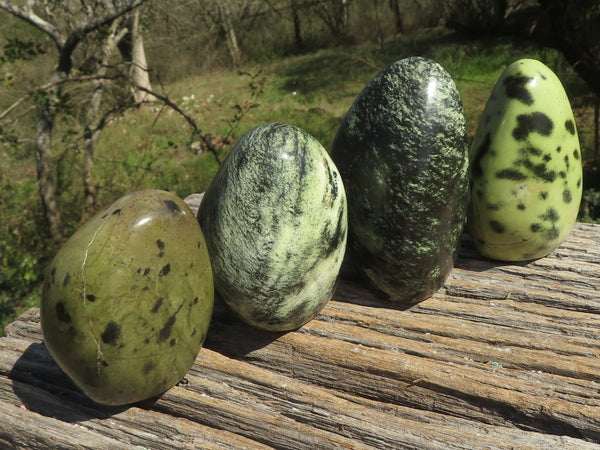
(275, 223)
(128, 299)
(403, 157)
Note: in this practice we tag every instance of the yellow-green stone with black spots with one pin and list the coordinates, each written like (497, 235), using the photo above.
(128, 299)
(403, 156)
(526, 166)
(275, 223)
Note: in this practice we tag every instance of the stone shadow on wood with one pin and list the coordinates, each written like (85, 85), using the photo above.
(43, 388)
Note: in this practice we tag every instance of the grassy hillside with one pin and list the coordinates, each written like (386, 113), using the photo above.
(154, 147)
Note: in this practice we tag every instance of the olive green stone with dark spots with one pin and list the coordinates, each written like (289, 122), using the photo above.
(275, 223)
(128, 299)
(403, 156)
(526, 162)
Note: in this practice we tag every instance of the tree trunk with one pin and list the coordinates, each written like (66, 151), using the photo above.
(297, 27)
(398, 21)
(229, 31)
(91, 131)
(139, 66)
(43, 155)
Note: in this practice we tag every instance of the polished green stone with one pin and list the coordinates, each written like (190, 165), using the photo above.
(526, 168)
(402, 153)
(275, 223)
(128, 299)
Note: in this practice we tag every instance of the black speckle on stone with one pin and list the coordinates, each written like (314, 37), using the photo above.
(551, 234)
(567, 162)
(536, 122)
(481, 151)
(199, 244)
(165, 270)
(567, 197)
(165, 331)
(531, 150)
(160, 244)
(539, 170)
(111, 333)
(535, 227)
(550, 215)
(521, 207)
(576, 154)
(172, 206)
(195, 301)
(194, 332)
(157, 305)
(116, 212)
(547, 158)
(147, 367)
(62, 313)
(90, 298)
(497, 226)
(493, 206)
(579, 182)
(147, 341)
(511, 174)
(558, 149)
(562, 174)
(172, 342)
(516, 88)
(543, 195)
(66, 280)
(570, 126)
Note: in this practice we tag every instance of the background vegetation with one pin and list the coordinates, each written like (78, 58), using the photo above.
(301, 62)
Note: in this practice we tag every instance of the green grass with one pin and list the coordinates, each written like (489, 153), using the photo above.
(152, 148)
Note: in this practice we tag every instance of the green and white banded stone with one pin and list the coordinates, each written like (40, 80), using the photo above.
(275, 223)
(403, 156)
(526, 166)
(128, 299)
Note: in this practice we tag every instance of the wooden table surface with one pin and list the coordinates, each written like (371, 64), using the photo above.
(503, 356)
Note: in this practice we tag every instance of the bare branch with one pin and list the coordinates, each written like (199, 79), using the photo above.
(30, 17)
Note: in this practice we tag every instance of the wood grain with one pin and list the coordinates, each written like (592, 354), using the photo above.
(503, 356)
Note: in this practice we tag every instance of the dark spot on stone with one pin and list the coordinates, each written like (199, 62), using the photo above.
(536, 122)
(147, 341)
(567, 162)
(67, 279)
(481, 151)
(147, 367)
(551, 234)
(576, 154)
(104, 216)
(195, 300)
(493, 206)
(172, 206)
(539, 170)
(562, 174)
(516, 88)
(543, 195)
(157, 305)
(511, 174)
(579, 183)
(90, 298)
(535, 227)
(199, 244)
(116, 212)
(567, 197)
(532, 151)
(521, 207)
(558, 149)
(550, 215)
(547, 158)
(146, 271)
(194, 332)
(172, 342)
(104, 363)
(160, 244)
(165, 270)
(497, 226)
(111, 333)
(570, 126)
(62, 313)
(165, 331)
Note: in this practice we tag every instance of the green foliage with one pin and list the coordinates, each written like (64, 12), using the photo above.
(17, 49)
(590, 206)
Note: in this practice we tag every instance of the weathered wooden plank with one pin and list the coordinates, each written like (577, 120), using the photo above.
(504, 355)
